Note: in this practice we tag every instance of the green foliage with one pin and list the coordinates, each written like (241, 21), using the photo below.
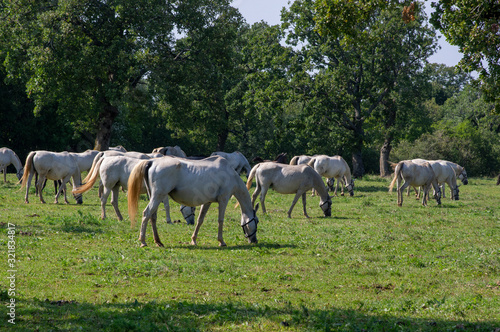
(473, 25)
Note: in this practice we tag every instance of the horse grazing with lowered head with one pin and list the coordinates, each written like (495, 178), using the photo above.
(334, 168)
(114, 173)
(53, 166)
(191, 183)
(288, 179)
(236, 160)
(7, 157)
(415, 175)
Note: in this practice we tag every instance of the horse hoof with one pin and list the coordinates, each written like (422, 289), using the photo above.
(399, 204)
(222, 244)
(143, 245)
(159, 244)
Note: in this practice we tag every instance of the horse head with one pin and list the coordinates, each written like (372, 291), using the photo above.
(455, 193)
(250, 226)
(78, 198)
(437, 195)
(350, 187)
(19, 173)
(326, 206)
(188, 214)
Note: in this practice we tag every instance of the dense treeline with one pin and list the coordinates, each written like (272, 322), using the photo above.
(92, 74)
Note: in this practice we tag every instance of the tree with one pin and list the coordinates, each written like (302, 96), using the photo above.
(87, 55)
(474, 26)
(350, 77)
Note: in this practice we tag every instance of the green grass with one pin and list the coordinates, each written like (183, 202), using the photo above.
(371, 266)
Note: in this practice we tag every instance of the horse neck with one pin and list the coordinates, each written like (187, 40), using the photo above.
(347, 174)
(16, 161)
(243, 198)
(319, 186)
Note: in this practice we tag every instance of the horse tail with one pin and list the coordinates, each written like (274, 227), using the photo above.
(97, 157)
(27, 169)
(135, 182)
(397, 173)
(251, 176)
(90, 179)
(294, 160)
(392, 165)
(311, 162)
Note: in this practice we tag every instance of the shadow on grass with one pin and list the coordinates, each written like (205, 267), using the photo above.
(39, 315)
(241, 247)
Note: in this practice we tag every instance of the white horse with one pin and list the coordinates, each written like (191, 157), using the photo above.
(115, 172)
(7, 157)
(191, 183)
(84, 159)
(446, 173)
(237, 161)
(288, 179)
(171, 151)
(415, 175)
(334, 167)
(53, 166)
(460, 173)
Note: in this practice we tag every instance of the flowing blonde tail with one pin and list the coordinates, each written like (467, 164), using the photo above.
(90, 179)
(294, 160)
(27, 168)
(311, 162)
(98, 157)
(134, 188)
(397, 171)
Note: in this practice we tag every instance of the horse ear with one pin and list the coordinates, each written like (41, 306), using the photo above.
(256, 208)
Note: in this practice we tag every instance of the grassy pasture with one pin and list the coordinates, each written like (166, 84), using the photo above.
(371, 266)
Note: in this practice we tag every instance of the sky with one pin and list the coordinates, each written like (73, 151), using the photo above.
(270, 12)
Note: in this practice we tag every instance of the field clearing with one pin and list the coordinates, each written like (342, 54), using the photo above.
(371, 266)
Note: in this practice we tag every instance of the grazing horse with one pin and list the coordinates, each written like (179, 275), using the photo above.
(52, 166)
(415, 175)
(115, 172)
(191, 183)
(300, 160)
(444, 175)
(7, 157)
(288, 179)
(459, 172)
(171, 151)
(334, 167)
(236, 160)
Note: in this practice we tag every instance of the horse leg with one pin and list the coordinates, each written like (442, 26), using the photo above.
(295, 199)
(156, 237)
(256, 193)
(443, 190)
(201, 216)
(426, 193)
(146, 215)
(222, 210)
(167, 210)
(4, 170)
(304, 204)
(336, 187)
(400, 192)
(62, 188)
(30, 177)
(39, 185)
(263, 194)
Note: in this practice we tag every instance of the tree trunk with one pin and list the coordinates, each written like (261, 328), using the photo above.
(105, 123)
(384, 157)
(358, 168)
(221, 140)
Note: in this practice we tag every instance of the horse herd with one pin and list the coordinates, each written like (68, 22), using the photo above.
(167, 172)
